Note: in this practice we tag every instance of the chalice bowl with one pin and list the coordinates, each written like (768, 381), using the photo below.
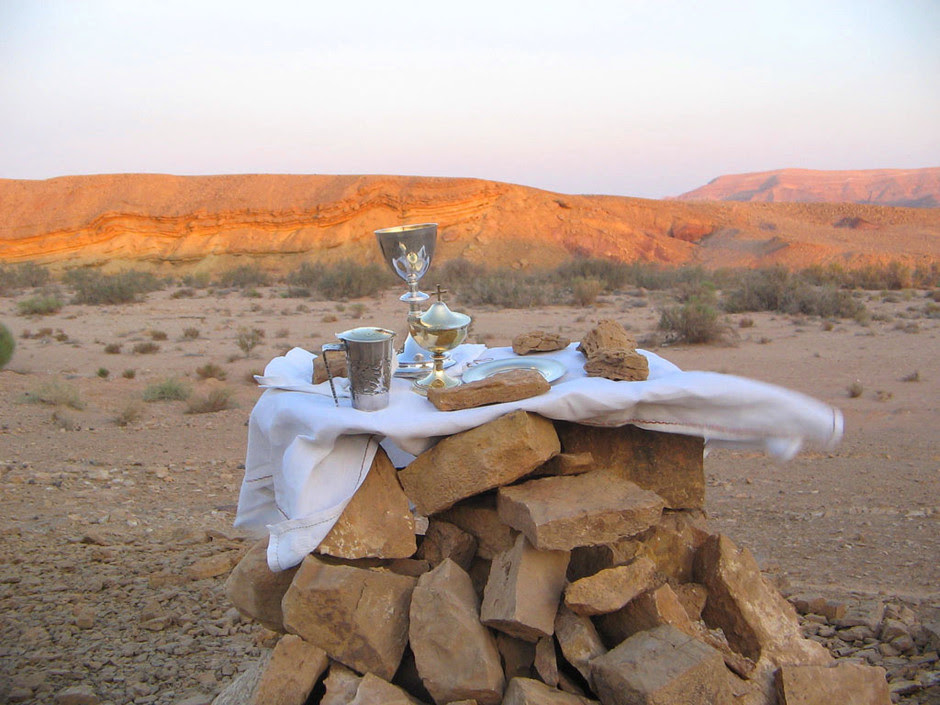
(438, 329)
(408, 250)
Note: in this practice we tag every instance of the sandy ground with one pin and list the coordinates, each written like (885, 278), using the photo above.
(104, 526)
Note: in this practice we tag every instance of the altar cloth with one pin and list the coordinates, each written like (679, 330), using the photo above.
(307, 457)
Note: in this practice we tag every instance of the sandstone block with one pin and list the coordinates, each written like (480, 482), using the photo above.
(609, 590)
(539, 341)
(692, 596)
(358, 616)
(652, 609)
(498, 389)
(587, 560)
(579, 641)
(479, 518)
(337, 360)
(606, 335)
(341, 685)
(527, 691)
(445, 540)
(77, 695)
(377, 522)
(291, 673)
(523, 590)
(241, 690)
(478, 460)
(456, 656)
(663, 666)
(843, 683)
(256, 591)
(567, 464)
(672, 543)
(518, 655)
(756, 619)
(669, 464)
(213, 566)
(618, 365)
(560, 513)
(545, 663)
(376, 691)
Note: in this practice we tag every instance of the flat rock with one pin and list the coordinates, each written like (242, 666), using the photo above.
(444, 540)
(291, 673)
(669, 464)
(377, 522)
(256, 590)
(610, 589)
(528, 691)
(455, 655)
(663, 666)
(561, 513)
(606, 335)
(358, 616)
(618, 365)
(505, 387)
(539, 341)
(373, 690)
(523, 590)
(579, 641)
(567, 464)
(672, 543)
(649, 610)
(477, 460)
(843, 683)
(756, 619)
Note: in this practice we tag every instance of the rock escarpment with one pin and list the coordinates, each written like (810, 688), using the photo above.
(208, 222)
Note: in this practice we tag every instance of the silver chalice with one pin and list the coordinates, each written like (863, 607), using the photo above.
(408, 250)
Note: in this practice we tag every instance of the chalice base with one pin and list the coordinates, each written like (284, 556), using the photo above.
(415, 361)
(438, 379)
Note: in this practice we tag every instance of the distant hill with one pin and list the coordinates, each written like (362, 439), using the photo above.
(909, 188)
(171, 223)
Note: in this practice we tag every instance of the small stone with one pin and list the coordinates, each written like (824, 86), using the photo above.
(213, 566)
(376, 691)
(445, 540)
(512, 385)
(77, 695)
(579, 641)
(609, 590)
(539, 341)
(606, 335)
(840, 683)
(527, 691)
(618, 365)
(479, 518)
(567, 464)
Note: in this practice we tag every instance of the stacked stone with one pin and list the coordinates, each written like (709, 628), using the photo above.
(560, 564)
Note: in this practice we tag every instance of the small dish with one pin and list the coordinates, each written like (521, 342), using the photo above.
(549, 368)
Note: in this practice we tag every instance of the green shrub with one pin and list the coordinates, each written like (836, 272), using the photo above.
(348, 279)
(7, 345)
(22, 276)
(103, 372)
(218, 399)
(695, 322)
(93, 287)
(129, 373)
(131, 413)
(56, 393)
(196, 280)
(39, 305)
(507, 289)
(585, 290)
(167, 390)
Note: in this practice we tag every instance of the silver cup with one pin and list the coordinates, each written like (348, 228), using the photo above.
(368, 365)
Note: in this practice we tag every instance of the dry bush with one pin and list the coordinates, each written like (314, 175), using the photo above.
(248, 339)
(695, 322)
(93, 287)
(157, 335)
(167, 390)
(39, 305)
(211, 371)
(218, 399)
(56, 393)
(190, 333)
(147, 348)
(131, 413)
(112, 348)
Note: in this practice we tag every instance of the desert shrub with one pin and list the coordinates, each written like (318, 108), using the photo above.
(245, 276)
(585, 290)
(190, 333)
(184, 293)
(22, 276)
(93, 287)
(167, 390)
(248, 339)
(746, 322)
(218, 399)
(613, 275)
(357, 310)
(459, 272)
(157, 335)
(210, 371)
(103, 372)
(507, 289)
(64, 421)
(129, 373)
(7, 346)
(350, 280)
(196, 280)
(777, 289)
(146, 348)
(39, 305)
(131, 413)
(695, 322)
(112, 348)
(56, 393)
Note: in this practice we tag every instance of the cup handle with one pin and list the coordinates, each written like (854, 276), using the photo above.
(331, 347)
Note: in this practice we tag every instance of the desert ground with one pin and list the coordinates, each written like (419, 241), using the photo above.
(116, 513)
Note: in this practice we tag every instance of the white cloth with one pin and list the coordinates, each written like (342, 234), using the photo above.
(306, 457)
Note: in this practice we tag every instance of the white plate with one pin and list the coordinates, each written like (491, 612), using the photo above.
(550, 369)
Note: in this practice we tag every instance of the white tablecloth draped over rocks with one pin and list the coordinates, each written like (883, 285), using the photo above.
(306, 457)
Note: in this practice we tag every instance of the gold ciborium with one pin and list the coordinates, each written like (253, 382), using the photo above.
(438, 330)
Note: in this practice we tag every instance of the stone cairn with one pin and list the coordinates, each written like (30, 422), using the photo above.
(546, 563)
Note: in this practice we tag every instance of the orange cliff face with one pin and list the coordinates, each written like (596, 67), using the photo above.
(914, 188)
(278, 220)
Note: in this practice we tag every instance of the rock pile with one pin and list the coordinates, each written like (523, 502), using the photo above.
(559, 564)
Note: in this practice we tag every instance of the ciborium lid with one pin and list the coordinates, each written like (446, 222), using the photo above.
(439, 317)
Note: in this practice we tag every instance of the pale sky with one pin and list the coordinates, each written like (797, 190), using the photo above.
(633, 98)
